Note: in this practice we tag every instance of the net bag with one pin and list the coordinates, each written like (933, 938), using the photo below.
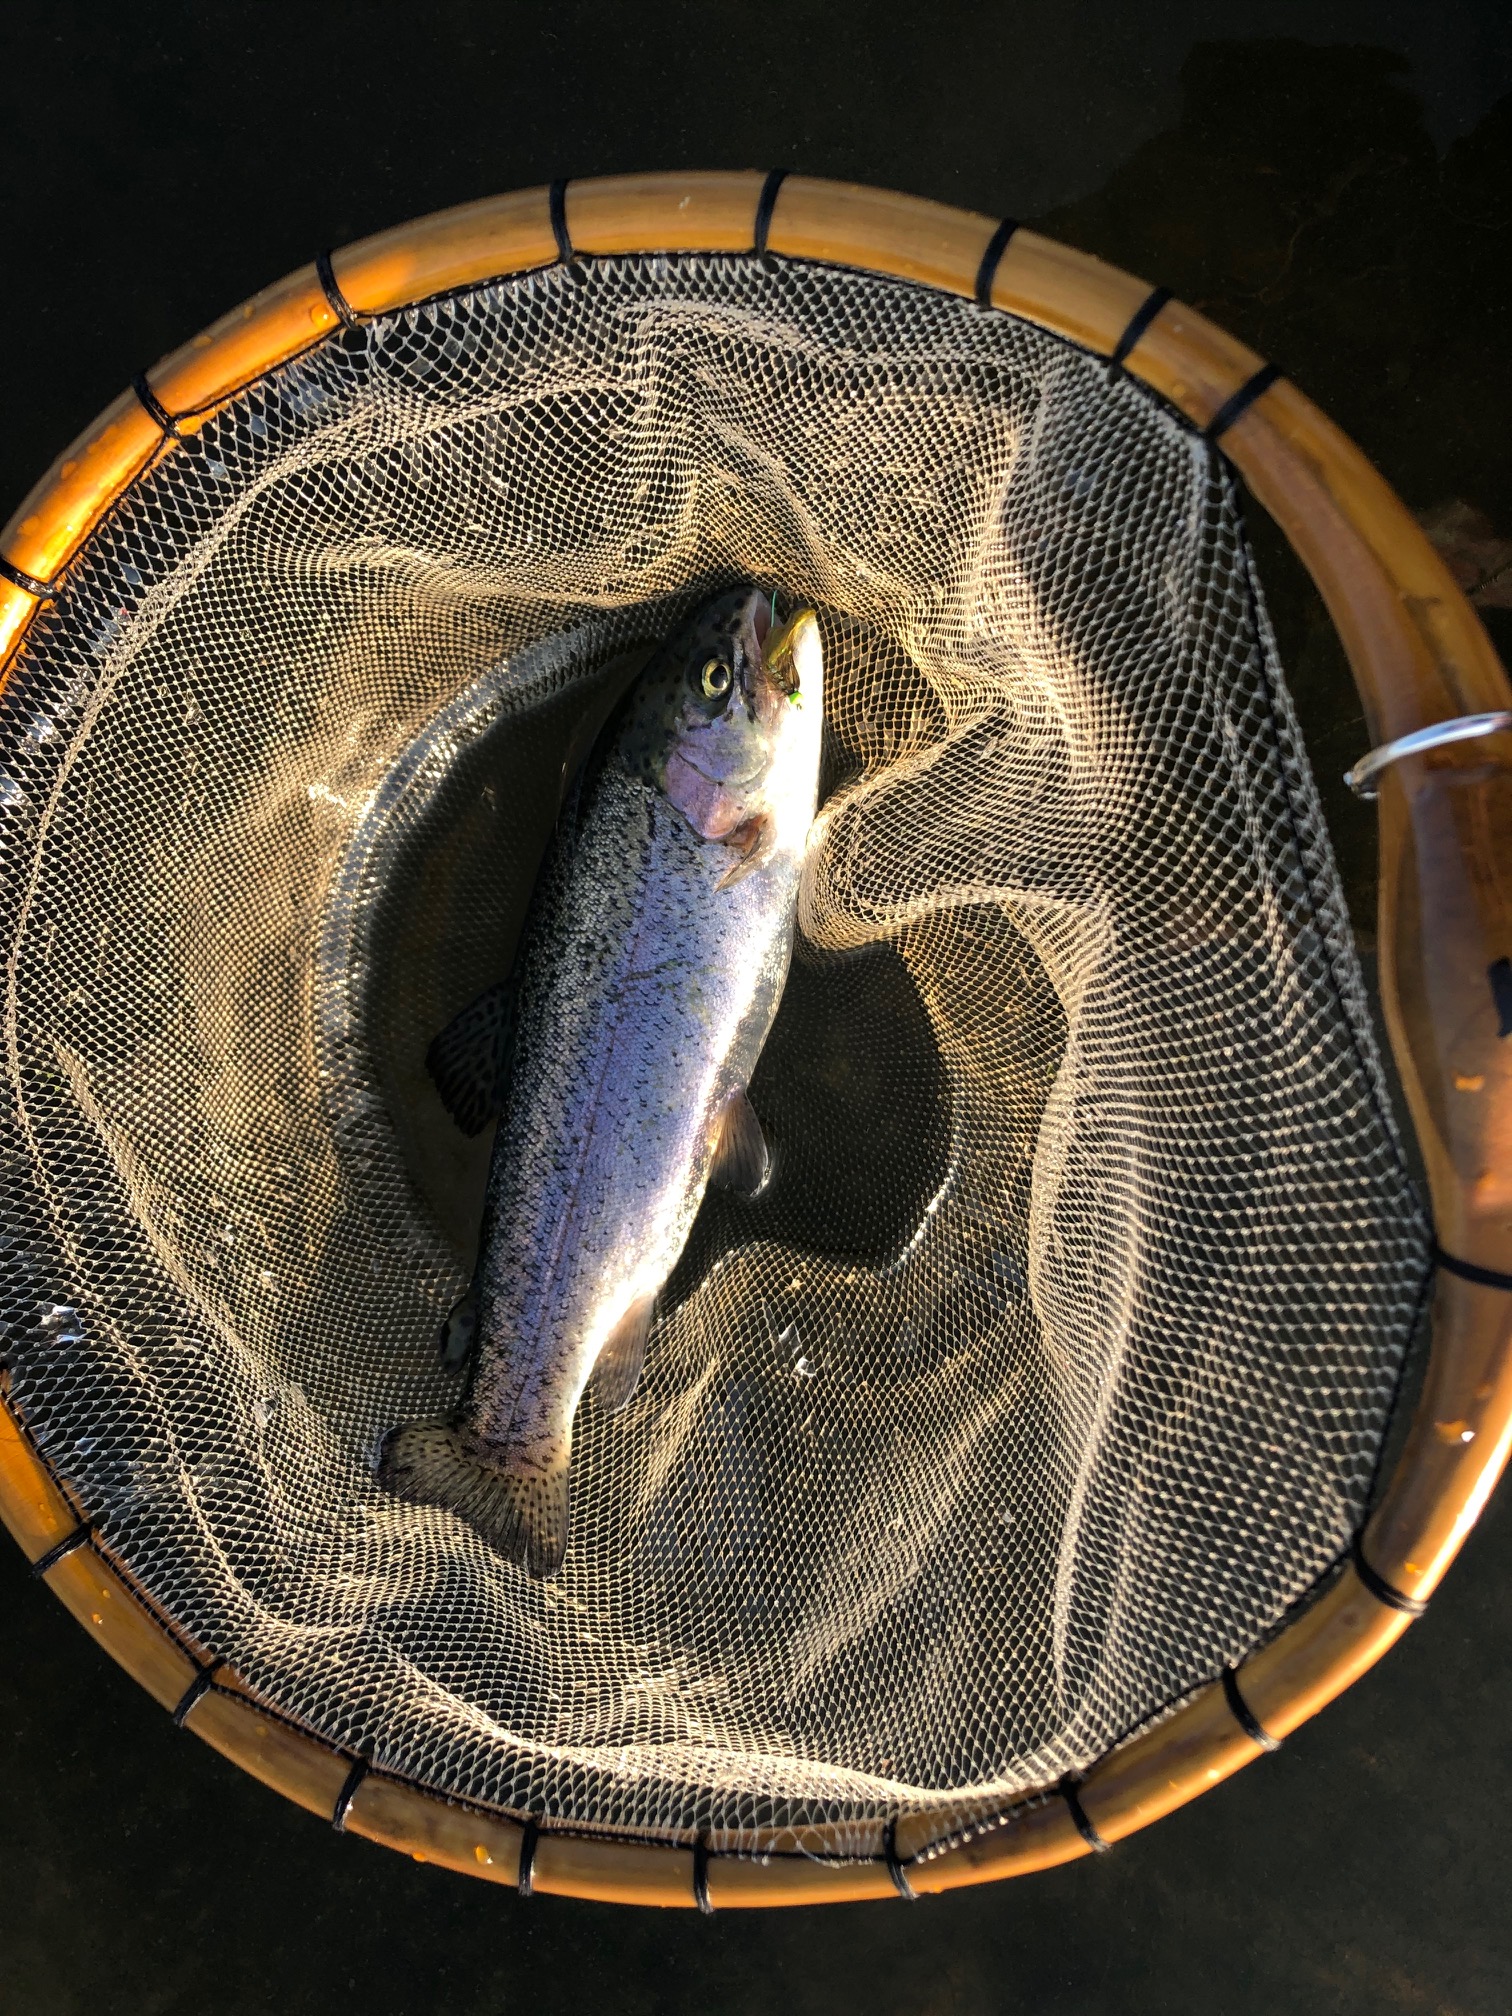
(1000, 1478)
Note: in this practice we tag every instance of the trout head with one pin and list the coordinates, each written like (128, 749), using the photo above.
(725, 719)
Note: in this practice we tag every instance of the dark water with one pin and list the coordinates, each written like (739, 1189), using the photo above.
(1344, 202)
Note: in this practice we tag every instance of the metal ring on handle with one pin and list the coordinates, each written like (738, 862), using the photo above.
(1463, 729)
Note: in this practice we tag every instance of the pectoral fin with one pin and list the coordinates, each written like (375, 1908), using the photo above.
(618, 1364)
(752, 845)
(741, 1162)
(522, 1513)
(469, 1060)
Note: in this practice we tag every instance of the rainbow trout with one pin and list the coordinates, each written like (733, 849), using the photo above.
(650, 969)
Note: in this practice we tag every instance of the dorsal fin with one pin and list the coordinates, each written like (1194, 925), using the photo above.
(741, 1161)
(469, 1060)
(618, 1364)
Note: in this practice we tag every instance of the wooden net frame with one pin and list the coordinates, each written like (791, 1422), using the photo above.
(1419, 656)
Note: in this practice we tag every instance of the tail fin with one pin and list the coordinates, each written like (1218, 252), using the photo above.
(521, 1513)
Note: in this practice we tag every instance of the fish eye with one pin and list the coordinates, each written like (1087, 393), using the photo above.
(715, 679)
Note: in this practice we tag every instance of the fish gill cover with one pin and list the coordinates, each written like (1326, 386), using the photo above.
(1051, 1368)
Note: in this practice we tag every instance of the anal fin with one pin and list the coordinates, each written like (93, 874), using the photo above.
(741, 1162)
(618, 1364)
(521, 1512)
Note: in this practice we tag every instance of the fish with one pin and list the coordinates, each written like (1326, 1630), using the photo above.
(617, 1057)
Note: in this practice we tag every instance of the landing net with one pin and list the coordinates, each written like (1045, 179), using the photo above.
(1053, 1367)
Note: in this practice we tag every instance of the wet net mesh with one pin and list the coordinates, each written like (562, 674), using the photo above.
(1053, 1366)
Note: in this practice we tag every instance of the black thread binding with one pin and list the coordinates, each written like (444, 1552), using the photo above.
(1094, 1840)
(1138, 322)
(1244, 1715)
(1381, 1589)
(69, 1544)
(361, 1765)
(1499, 973)
(895, 1868)
(528, 1841)
(43, 590)
(198, 1686)
(1485, 1277)
(701, 1877)
(766, 203)
(341, 308)
(992, 258)
(557, 199)
(1240, 401)
(154, 405)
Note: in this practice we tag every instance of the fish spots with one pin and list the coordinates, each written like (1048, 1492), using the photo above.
(644, 993)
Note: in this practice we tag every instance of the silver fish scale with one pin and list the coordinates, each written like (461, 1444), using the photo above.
(646, 994)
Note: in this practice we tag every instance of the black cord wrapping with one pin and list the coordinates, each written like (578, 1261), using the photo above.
(199, 1686)
(556, 197)
(1381, 1589)
(992, 258)
(766, 203)
(18, 578)
(154, 405)
(69, 1544)
(1068, 1790)
(895, 1868)
(701, 1877)
(1138, 322)
(1499, 973)
(528, 1840)
(341, 308)
(1467, 1270)
(1244, 1715)
(361, 1765)
(1241, 401)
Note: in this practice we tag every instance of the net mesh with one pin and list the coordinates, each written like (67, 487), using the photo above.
(1053, 1366)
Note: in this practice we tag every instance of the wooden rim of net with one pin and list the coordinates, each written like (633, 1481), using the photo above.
(1419, 656)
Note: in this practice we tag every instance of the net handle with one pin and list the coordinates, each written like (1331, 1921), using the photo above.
(1419, 657)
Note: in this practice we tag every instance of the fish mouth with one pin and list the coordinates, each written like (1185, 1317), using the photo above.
(779, 655)
(770, 646)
